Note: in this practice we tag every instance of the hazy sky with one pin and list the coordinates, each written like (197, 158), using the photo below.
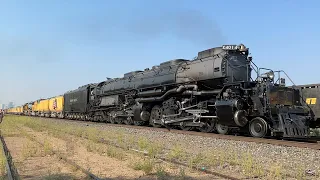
(49, 47)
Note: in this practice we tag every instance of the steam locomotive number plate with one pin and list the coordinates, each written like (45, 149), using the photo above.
(229, 47)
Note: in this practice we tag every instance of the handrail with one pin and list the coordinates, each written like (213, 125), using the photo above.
(279, 71)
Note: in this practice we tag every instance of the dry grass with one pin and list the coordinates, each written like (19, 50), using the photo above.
(177, 153)
(146, 165)
(116, 153)
(160, 172)
(29, 150)
(203, 160)
(47, 148)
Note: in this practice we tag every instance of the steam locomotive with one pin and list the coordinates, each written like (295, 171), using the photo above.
(215, 91)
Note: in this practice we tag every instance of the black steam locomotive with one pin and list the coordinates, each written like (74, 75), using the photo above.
(214, 92)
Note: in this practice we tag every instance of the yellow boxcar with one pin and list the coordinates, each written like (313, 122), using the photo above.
(16, 110)
(20, 110)
(43, 107)
(56, 106)
(35, 108)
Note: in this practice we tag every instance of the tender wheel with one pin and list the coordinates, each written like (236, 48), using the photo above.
(156, 115)
(258, 127)
(221, 129)
(207, 127)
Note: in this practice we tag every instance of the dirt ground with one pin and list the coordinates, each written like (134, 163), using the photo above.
(36, 161)
(33, 163)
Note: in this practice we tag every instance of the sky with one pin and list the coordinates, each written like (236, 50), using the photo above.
(53, 46)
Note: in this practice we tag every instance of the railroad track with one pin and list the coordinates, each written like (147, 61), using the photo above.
(12, 172)
(86, 172)
(312, 143)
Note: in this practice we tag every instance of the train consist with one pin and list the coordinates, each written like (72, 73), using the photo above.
(214, 92)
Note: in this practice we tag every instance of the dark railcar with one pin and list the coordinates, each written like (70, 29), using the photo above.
(311, 97)
(77, 101)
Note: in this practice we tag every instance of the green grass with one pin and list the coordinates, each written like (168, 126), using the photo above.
(160, 172)
(176, 153)
(196, 161)
(2, 162)
(116, 153)
(146, 165)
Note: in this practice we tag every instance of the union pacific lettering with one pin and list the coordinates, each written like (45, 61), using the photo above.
(311, 100)
(73, 100)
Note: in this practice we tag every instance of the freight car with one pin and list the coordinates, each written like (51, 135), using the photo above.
(18, 110)
(27, 108)
(214, 92)
(311, 96)
(36, 109)
(77, 102)
(56, 105)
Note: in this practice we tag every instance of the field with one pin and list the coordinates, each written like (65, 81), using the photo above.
(40, 148)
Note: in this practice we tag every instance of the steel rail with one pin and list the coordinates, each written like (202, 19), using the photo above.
(12, 172)
(88, 173)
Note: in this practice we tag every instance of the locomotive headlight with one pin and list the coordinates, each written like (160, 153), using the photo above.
(271, 75)
(268, 75)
